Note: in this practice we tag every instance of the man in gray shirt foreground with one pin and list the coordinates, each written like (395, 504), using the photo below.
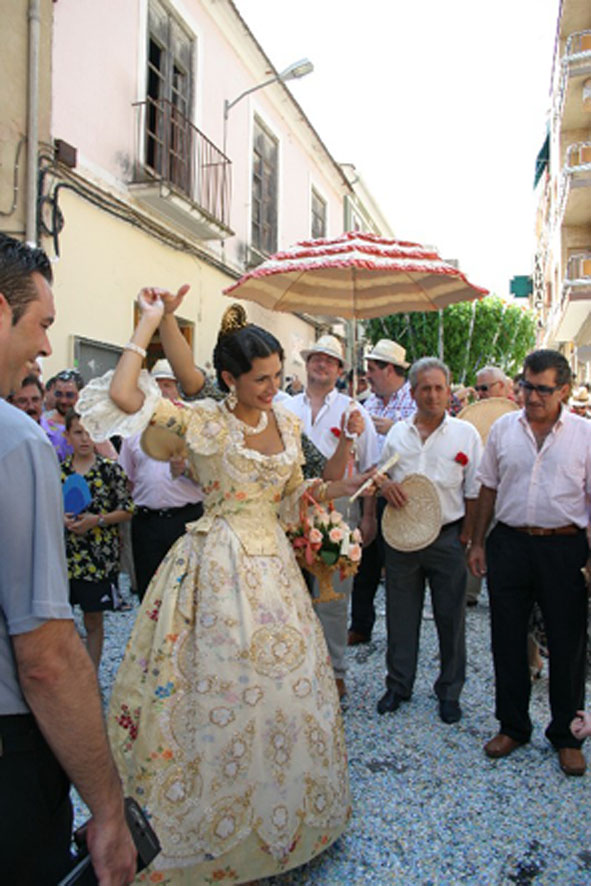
(51, 724)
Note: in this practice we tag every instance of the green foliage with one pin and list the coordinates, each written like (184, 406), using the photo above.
(475, 334)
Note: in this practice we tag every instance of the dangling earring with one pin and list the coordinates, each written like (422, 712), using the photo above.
(232, 399)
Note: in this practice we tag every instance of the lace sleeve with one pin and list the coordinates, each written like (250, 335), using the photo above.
(102, 419)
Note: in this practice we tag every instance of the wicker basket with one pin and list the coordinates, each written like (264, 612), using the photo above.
(324, 573)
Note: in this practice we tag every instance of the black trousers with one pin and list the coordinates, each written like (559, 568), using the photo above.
(443, 565)
(152, 535)
(367, 579)
(35, 809)
(547, 569)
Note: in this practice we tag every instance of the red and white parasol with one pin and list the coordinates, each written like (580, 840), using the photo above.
(356, 275)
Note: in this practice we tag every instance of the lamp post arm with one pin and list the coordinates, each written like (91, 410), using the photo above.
(229, 105)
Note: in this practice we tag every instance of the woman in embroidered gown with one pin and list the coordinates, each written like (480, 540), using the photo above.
(224, 718)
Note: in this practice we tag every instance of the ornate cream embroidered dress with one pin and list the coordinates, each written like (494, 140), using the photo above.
(224, 718)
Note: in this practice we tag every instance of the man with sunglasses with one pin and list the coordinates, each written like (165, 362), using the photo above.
(536, 479)
(66, 391)
(51, 724)
(490, 382)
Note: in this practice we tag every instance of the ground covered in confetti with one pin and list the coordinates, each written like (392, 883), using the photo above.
(429, 808)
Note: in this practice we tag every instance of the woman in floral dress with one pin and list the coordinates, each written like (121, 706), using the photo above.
(224, 718)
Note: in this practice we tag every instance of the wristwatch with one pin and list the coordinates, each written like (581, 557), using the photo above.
(101, 521)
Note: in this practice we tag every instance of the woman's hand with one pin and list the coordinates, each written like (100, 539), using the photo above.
(172, 302)
(150, 303)
(81, 524)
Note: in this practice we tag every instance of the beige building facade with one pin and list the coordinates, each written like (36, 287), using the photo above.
(170, 152)
(562, 277)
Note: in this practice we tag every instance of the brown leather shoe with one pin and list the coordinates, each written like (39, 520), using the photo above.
(501, 746)
(572, 761)
(341, 688)
(354, 639)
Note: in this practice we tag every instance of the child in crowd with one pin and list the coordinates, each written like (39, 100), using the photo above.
(92, 537)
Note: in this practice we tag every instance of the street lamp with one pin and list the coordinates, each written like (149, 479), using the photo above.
(293, 72)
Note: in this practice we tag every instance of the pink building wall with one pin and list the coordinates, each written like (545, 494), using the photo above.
(99, 71)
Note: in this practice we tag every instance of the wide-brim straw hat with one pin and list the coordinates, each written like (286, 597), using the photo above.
(484, 413)
(326, 344)
(389, 352)
(418, 523)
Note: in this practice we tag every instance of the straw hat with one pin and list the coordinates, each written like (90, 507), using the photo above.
(157, 442)
(326, 344)
(389, 352)
(162, 369)
(484, 413)
(418, 523)
(579, 397)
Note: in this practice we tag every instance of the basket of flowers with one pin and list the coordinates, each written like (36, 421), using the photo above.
(323, 544)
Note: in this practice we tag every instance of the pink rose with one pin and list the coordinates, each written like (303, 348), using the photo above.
(335, 518)
(336, 534)
(355, 553)
(315, 537)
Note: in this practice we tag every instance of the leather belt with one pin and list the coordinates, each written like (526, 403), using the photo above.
(570, 529)
(142, 511)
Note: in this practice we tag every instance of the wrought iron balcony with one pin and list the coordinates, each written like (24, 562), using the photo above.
(179, 172)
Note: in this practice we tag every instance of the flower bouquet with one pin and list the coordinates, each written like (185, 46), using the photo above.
(323, 543)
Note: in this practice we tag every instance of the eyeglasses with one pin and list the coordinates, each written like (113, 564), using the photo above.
(65, 395)
(542, 390)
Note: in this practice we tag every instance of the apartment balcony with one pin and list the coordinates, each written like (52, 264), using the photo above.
(575, 302)
(180, 174)
(574, 200)
(575, 68)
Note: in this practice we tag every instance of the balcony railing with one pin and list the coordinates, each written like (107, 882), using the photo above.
(577, 170)
(576, 60)
(171, 150)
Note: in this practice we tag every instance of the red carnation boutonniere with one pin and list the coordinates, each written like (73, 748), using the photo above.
(461, 458)
(336, 432)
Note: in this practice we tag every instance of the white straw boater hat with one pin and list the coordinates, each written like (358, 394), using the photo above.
(162, 369)
(389, 352)
(326, 344)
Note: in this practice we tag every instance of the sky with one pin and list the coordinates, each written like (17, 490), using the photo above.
(440, 104)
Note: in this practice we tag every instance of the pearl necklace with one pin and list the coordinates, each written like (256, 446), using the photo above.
(249, 429)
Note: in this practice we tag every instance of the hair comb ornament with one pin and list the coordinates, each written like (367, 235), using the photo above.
(234, 318)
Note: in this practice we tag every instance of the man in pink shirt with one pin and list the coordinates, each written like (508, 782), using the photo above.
(536, 479)
(166, 498)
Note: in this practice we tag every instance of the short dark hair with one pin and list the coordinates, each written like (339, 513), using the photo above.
(17, 262)
(32, 380)
(236, 350)
(545, 358)
(69, 375)
(383, 363)
(70, 417)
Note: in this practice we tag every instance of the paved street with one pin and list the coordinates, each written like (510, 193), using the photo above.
(429, 808)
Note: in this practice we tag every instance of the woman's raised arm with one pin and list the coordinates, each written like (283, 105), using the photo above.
(176, 347)
(124, 390)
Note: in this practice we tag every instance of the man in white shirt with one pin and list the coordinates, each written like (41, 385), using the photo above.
(536, 480)
(447, 451)
(390, 401)
(321, 409)
(165, 498)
